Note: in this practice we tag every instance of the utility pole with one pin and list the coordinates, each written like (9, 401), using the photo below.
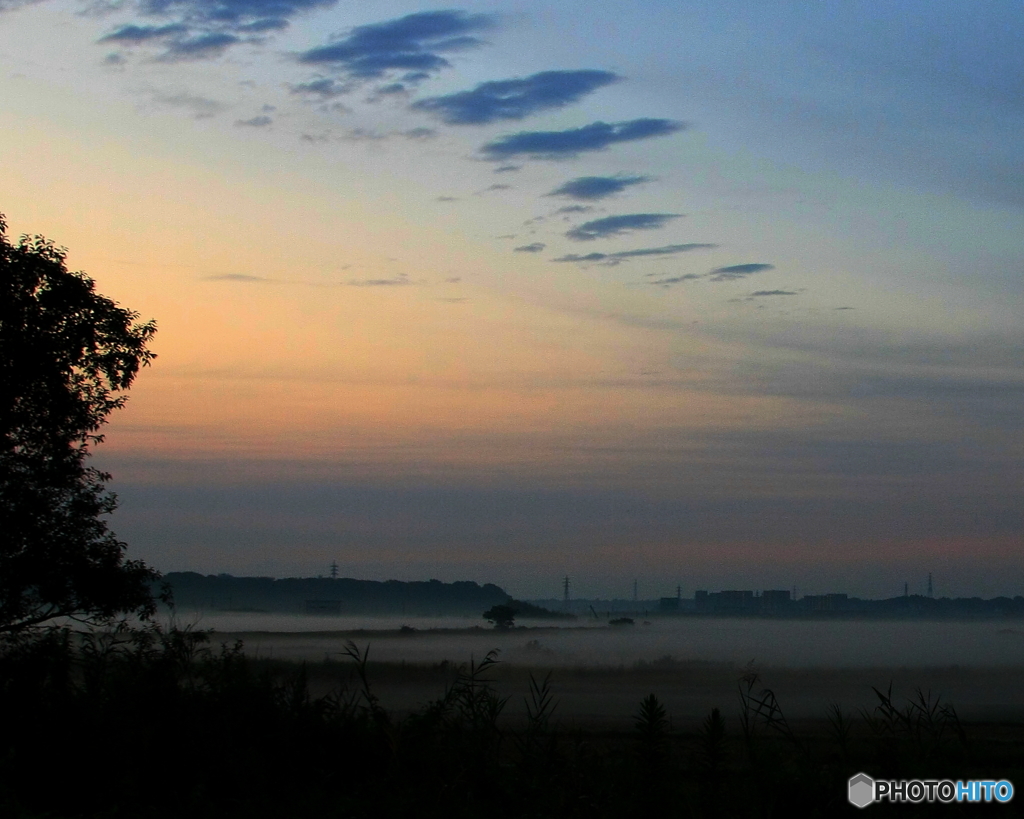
(930, 594)
(906, 589)
(565, 591)
(634, 591)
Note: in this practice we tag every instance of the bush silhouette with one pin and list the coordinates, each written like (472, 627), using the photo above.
(503, 616)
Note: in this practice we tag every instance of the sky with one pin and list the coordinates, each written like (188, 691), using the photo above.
(708, 295)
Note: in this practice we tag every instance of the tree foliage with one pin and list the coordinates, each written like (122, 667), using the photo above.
(503, 616)
(67, 356)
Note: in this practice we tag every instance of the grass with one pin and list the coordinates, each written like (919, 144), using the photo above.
(158, 723)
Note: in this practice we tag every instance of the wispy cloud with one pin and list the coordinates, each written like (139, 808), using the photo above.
(567, 144)
(202, 29)
(670, 280)
(10, 5)
(596, 187)
(321, 87)
(737, 271)
(201, 107)
(616, 225)
(260, 121)
(201, 47)
(516, 98)
(248, 13)
(389, 91)
(418, 133)
(760, 293)
(624, 255)
(236, 277)
(132, 34)
(536, 247)
(371, 135)
(412, 44)
(398, 281)
(719, 274)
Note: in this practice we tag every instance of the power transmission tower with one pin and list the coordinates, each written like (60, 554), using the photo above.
(334, 570)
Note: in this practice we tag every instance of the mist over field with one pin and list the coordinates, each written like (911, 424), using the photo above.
(599, 673)
(737, 641)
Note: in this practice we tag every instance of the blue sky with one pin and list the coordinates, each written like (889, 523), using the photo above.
(717, 295)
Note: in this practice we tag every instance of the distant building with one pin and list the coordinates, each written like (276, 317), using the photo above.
(775, 601)
(734, 600)
(731, 601)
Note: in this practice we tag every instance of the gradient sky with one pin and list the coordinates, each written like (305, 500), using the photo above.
(718, 295)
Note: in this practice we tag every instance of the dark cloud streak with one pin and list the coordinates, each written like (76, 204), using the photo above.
(256, 122)
(323, 87)
(204, 29)
(667, 282)
(737, 271)
(616, 225)
(140, 34)
(413, 43)
(515, 99)
(623, 255)
(567, 144)
(236, 277)
(596, 187)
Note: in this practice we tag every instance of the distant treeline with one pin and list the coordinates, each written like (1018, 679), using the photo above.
(326, 595)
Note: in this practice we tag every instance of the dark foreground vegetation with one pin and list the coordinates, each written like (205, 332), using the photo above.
(157, 723)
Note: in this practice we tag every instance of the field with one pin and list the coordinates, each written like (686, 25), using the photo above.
(170, 723)
(592, 694)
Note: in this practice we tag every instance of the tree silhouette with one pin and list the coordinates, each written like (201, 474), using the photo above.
(67, 354)
(503, 616)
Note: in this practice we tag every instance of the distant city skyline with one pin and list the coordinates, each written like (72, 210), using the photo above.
(725, 294)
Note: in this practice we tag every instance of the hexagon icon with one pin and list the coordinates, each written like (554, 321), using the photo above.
(862, 790)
